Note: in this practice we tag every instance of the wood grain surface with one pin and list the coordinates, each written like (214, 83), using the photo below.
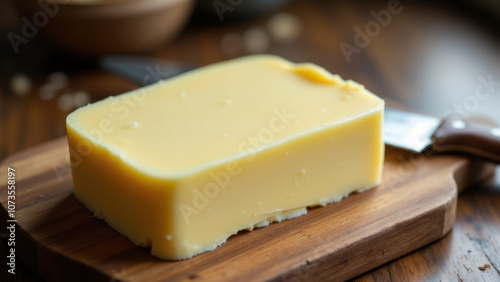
(414, 205)
(429, 58)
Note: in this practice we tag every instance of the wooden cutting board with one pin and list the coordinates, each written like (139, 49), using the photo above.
(415, 205)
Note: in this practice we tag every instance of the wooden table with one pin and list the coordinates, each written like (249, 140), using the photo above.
(428, 57)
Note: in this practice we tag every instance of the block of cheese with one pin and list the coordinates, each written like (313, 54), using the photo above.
(181, 165)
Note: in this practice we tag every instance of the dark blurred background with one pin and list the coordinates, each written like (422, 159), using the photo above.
(429, 56)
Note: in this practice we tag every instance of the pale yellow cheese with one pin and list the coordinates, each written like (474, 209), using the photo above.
(183, 164)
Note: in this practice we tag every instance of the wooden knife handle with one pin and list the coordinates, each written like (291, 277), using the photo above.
(472, 138)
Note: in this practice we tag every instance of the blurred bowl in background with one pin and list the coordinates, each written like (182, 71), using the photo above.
(95, 27)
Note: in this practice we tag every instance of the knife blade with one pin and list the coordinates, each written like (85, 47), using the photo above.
(143, 71)
(402, 129)
(407, 130)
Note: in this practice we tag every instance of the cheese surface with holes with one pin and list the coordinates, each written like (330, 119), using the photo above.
(183, 164)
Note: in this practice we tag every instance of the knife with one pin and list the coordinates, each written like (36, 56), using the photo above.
(418, 132)
(402, 129)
